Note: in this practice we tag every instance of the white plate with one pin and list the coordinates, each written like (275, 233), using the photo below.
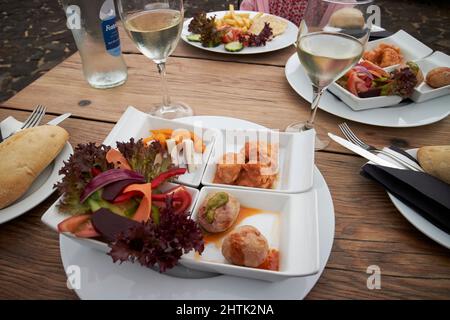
(418, 221)
(137, 124)
(101, 279)
(288, 222)
(296, 157)
(41, 188)
(403, 115)
(411, 48)
(424, 92)
(282, 41)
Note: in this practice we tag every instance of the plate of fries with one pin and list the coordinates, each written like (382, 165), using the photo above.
(237, 25)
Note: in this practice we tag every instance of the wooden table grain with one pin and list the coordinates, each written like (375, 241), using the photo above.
(369, 230)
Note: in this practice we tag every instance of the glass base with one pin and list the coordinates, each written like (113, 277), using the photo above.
(173, 111)
(322, 140)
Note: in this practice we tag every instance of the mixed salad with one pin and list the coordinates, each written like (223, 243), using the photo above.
(234, 31)
(366, 80)
(114, 195)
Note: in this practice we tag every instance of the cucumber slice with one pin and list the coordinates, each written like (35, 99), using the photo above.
(234, 46)
(194, 37)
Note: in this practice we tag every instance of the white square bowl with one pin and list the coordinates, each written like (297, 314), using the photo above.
(52, 217)
(289, 223)
(411, 48)
(137, 124)
(424, 92)
(296, 158)
(357, 103)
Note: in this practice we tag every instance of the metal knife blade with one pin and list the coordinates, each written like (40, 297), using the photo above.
(59, 119)
(363, 153)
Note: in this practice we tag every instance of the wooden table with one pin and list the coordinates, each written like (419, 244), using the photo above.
(369, 230)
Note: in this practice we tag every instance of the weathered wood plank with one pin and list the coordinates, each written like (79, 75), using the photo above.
(252, 92)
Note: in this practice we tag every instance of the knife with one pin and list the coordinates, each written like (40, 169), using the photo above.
(59, 119)
(363, 153)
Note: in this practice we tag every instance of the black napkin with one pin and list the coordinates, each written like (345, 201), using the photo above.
(427, 195)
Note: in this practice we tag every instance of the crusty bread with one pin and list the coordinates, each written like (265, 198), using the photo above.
(347, 18)
(435, 160)
(24, 156)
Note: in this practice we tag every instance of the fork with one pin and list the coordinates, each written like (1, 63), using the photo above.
(33, 120)
(348, 133)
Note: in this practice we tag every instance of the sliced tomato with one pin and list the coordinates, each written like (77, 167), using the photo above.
(231, 35)
(81, 226)
(143, 211)
(356, 84)
(183, 197)
(115, 157)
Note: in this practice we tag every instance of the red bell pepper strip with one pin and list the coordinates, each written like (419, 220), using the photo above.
(142, 213)
(166, 175)
(95, 171)
(127, 196)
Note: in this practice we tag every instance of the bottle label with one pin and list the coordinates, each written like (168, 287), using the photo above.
(109, 28)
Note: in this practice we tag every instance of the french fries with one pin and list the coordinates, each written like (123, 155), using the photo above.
(237, 20)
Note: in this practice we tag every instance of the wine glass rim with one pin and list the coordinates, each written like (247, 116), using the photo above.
(349, 1)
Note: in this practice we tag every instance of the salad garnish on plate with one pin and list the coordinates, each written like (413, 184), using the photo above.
(113, 195)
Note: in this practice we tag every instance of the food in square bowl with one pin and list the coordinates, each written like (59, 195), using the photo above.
(267, 236)
(368, 86)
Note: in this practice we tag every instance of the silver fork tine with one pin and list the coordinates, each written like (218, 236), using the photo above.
(38, 117)
(346, 134)
(30, 118)
(360, 142)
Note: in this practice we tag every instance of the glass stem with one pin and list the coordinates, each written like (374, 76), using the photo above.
(164, 89)
(317, 94)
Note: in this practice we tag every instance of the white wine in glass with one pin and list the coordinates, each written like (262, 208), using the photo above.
(155, 27)
(331, 40)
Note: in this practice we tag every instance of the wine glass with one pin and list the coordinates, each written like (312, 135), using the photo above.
(155, 28)
(331, 40)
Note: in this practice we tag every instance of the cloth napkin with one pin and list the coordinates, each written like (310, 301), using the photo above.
(9, 125)
(427, 195)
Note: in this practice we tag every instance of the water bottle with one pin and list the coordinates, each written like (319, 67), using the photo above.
(93, 25)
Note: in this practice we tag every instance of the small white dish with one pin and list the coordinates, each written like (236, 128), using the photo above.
(137, 124)
(42, 187)
(279, 42)
(403, 115)
(358, 104)
(288, 222)
(52, 217)
(410, 48)
(296, 158)
(424, 92)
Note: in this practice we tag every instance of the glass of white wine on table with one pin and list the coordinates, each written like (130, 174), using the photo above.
(155, 28)
(331, 40)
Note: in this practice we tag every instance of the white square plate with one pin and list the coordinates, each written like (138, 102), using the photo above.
(289, 223)
(296, 158)
(52, 217)
(137, 124)
(411, 48)
(424, 92)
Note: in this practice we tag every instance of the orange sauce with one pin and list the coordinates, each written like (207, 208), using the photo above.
(272, 261)
(216, 238)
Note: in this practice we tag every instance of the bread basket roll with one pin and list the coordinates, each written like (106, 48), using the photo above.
(24, 156)
(435, 160)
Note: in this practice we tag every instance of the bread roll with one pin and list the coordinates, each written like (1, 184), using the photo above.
(435, 160)
(24, 156)
(347, 18)
(438, 77)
